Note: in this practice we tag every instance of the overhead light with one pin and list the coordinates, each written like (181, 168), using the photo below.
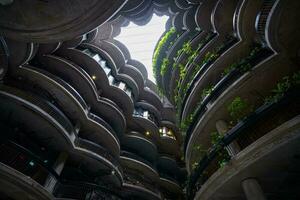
(147, 133)
(113, 172)
(94, 77)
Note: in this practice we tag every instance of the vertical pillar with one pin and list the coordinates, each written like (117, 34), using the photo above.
(57, 167)
(252, 189)
(222, 129)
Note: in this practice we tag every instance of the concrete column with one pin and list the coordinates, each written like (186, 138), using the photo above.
(58, 166)
(252, 189)
(222, 129)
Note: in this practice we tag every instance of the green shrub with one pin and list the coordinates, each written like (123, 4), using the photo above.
(238, 109)
(164, 66)
(159, 47)
(278, 92)
(206, 91)
(215, 137)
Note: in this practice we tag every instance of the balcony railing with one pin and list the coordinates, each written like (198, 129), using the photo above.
(138, 180)
(226, 45)
(103, 123)
(262, 17)
(138, 158)
(108, 71)
(169, 177)
(26, 162)
(100, 151)
(84, 190)
(32, 165)
(167, 133)
(235, 17)
(264, 119)
(47, 107)
(220, 87)
(140, 112)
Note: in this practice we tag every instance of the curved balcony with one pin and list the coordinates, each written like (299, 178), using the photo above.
(244, 18)
(106, 61)
(57, 137)
(170, 185)
(151, 96)
(185, 63)
(83, 84)
(222, 16)
(103, 76)
(256, 125)
(55, 21)
(262, 17)
(271, 161)
(166, 132)
(204, 13)
(168, 166)
(174, 54)
(168, 142)
(137, 142)
(146, 121)
(84, 190)
(154, 113)
(72, 103)
(188, 43)
(137, 186)
(160, 53)
(26, 162)
(23, 173)
(113, 81)
(281, 27)
(135, 162)
(220, 87)
(197, 72)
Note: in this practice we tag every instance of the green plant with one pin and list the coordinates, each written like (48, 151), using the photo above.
(182, 71)
(206, 91)
(224, 158)
(159, 47)
(278, 92)
(222, 153)
(238, 109)
(243, 64)
(164, 66)
(228, 69)
(215, 137)
(186, 122)
(283, 86)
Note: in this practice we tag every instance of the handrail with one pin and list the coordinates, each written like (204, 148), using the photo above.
(230, 136)
(33, 157)
(205, 66)
(262, 17)
(99, 120)
(83, 189)
(138, 158)
(221, 87)
(46, 106)
(67, 86)
(99, 150)
(169, 177)
(235, 17)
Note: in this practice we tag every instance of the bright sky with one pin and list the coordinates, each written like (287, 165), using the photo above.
(141, 40)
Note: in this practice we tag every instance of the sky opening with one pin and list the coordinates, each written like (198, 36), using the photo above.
(141, 40)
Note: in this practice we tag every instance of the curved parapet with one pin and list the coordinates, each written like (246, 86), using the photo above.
(54, 21)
